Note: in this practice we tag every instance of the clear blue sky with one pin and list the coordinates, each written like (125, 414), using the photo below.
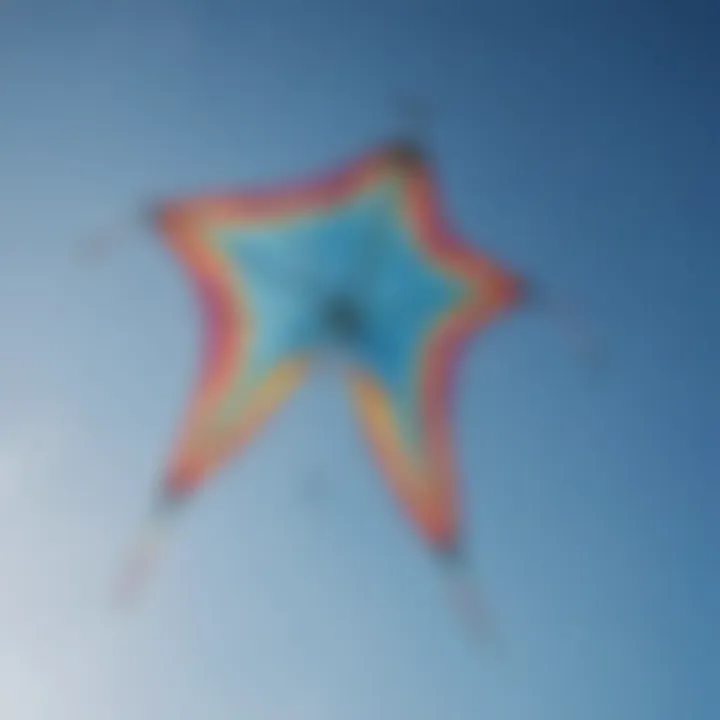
(578, 141)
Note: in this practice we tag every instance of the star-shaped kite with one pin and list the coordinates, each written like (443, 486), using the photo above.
(362, 260)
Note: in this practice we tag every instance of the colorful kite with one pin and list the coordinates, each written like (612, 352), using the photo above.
(362, 260)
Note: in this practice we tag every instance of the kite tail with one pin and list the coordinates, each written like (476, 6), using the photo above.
(468, 602)
(576, 325)
(144, 555)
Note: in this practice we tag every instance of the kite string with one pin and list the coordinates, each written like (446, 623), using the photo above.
(468, 602)
(576, 325)
(145, 554)
(106, 241)
(415, 119)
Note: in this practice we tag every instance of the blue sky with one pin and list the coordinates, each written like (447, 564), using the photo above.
(578, 142)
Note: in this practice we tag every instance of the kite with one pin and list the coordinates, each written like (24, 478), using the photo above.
(360, 260)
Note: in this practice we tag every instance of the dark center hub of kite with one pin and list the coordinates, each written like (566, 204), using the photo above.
(343, 317)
